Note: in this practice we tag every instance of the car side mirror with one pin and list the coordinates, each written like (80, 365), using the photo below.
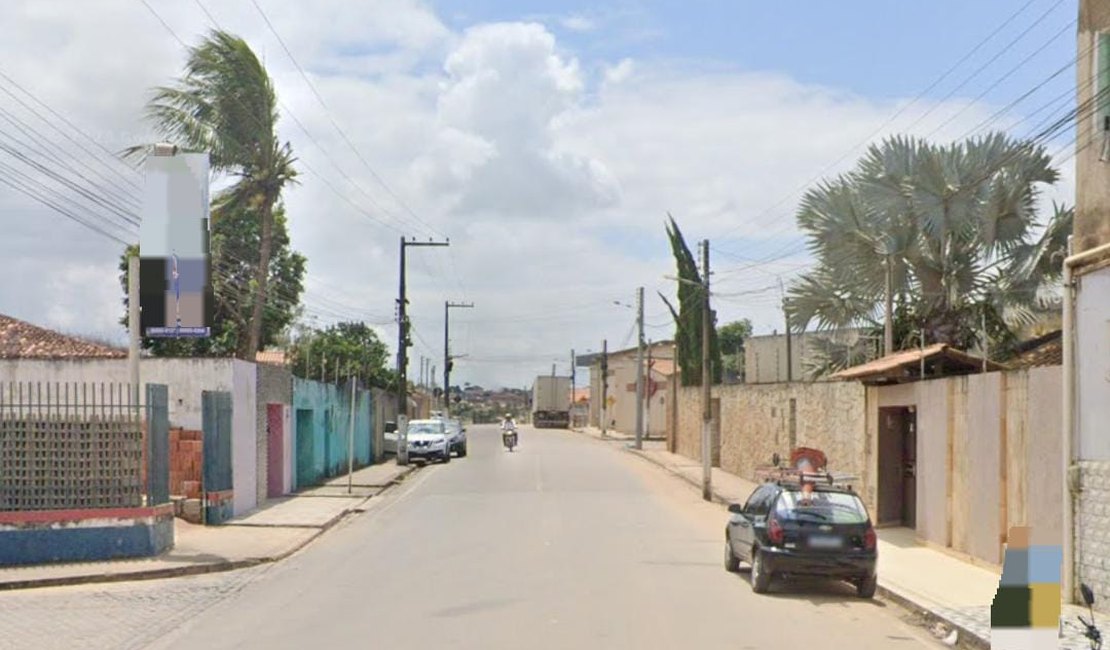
(736, 509)
(1088, 595)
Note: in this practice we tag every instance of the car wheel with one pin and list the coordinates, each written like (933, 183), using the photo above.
(447, 456)
(732, 563)
(866, 586)
(462, 451)
(761, 580)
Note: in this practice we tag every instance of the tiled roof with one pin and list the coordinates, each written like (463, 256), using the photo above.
(22, 340)
(894, 366)
(272, 357)
(664, 367)
(1047, 350)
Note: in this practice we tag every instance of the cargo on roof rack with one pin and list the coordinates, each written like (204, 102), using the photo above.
(806, 465)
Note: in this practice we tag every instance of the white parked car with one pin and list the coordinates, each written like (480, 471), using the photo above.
(427, 440)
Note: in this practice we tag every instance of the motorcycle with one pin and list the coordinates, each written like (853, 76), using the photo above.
(508, 438)
(1092, 633)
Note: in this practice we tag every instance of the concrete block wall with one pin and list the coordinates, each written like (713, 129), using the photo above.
(1092, 529)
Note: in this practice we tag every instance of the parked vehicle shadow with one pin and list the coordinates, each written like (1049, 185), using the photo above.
(817, 591)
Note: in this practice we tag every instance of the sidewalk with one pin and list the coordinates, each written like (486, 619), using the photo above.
(271, 533)
(932, 584)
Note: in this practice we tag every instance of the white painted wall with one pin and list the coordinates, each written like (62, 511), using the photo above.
(244, 432)
(1092, 366)
(186, 378)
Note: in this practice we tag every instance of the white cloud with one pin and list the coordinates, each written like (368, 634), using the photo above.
(552, 186)
(579, 23)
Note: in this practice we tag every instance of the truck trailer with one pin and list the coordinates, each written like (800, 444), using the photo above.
(551, 402)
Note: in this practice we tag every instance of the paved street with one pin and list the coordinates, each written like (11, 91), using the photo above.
(567, 543)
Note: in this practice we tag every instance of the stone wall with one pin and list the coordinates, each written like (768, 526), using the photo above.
(1092, 529)
(759, 420)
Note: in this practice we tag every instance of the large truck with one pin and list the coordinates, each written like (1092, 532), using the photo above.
(551, 402)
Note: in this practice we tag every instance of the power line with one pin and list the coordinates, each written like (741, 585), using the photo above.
(1006, 48)
(331, 119)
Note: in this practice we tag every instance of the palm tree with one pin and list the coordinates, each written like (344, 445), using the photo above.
(954, 226)
(225, 105)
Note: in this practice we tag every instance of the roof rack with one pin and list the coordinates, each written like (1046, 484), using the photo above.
(803, 460)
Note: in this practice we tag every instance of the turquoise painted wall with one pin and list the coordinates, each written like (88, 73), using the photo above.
(330, 408)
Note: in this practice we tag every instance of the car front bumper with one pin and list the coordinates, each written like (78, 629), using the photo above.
(803, 563)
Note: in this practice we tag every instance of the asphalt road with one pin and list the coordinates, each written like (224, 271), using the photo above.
(566, 543)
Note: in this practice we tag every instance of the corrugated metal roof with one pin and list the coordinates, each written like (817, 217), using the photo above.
(22, 340)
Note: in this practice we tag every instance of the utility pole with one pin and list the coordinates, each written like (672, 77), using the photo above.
(706, 380)
(403, 344)
(573, 388)
(604, 387)
(888, 330)
(789, 345)
(647, 392)
(640, 369)
(351, 436)
(447, 363)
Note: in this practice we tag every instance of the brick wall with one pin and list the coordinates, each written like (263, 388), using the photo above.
(1092, 529)
(186, 462)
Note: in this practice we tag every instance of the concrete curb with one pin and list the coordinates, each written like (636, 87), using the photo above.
(966, 638)
(199, 569)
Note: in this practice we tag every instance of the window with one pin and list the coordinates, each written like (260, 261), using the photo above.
(828, 507)
(759, 504)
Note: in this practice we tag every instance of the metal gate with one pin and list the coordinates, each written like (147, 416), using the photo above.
(216, 407)
(158, 444)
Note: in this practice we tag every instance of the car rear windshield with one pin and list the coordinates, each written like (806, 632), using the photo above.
(827, 507)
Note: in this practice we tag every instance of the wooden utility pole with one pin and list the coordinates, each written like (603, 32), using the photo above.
(706, 380)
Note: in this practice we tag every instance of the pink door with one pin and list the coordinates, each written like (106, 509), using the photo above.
(275, 451)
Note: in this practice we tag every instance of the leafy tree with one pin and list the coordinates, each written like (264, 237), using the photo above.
(354, 346)
(957, 227)
(688, 317)
(225, 105)
(234, 255)
(731, 339)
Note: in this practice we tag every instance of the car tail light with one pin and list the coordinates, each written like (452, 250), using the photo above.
(775, 532)
(869, 538)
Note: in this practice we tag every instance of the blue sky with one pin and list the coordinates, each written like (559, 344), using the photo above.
(549, 163)
(876, 48)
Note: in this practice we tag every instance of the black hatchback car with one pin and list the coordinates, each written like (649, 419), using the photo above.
(782, 533)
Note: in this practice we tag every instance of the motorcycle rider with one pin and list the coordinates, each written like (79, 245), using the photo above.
(507, 424)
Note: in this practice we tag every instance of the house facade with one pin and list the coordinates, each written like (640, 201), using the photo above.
(1087, 318)
(618, 410)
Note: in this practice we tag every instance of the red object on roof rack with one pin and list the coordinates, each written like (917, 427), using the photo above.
(807, 465)
(814, 458)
